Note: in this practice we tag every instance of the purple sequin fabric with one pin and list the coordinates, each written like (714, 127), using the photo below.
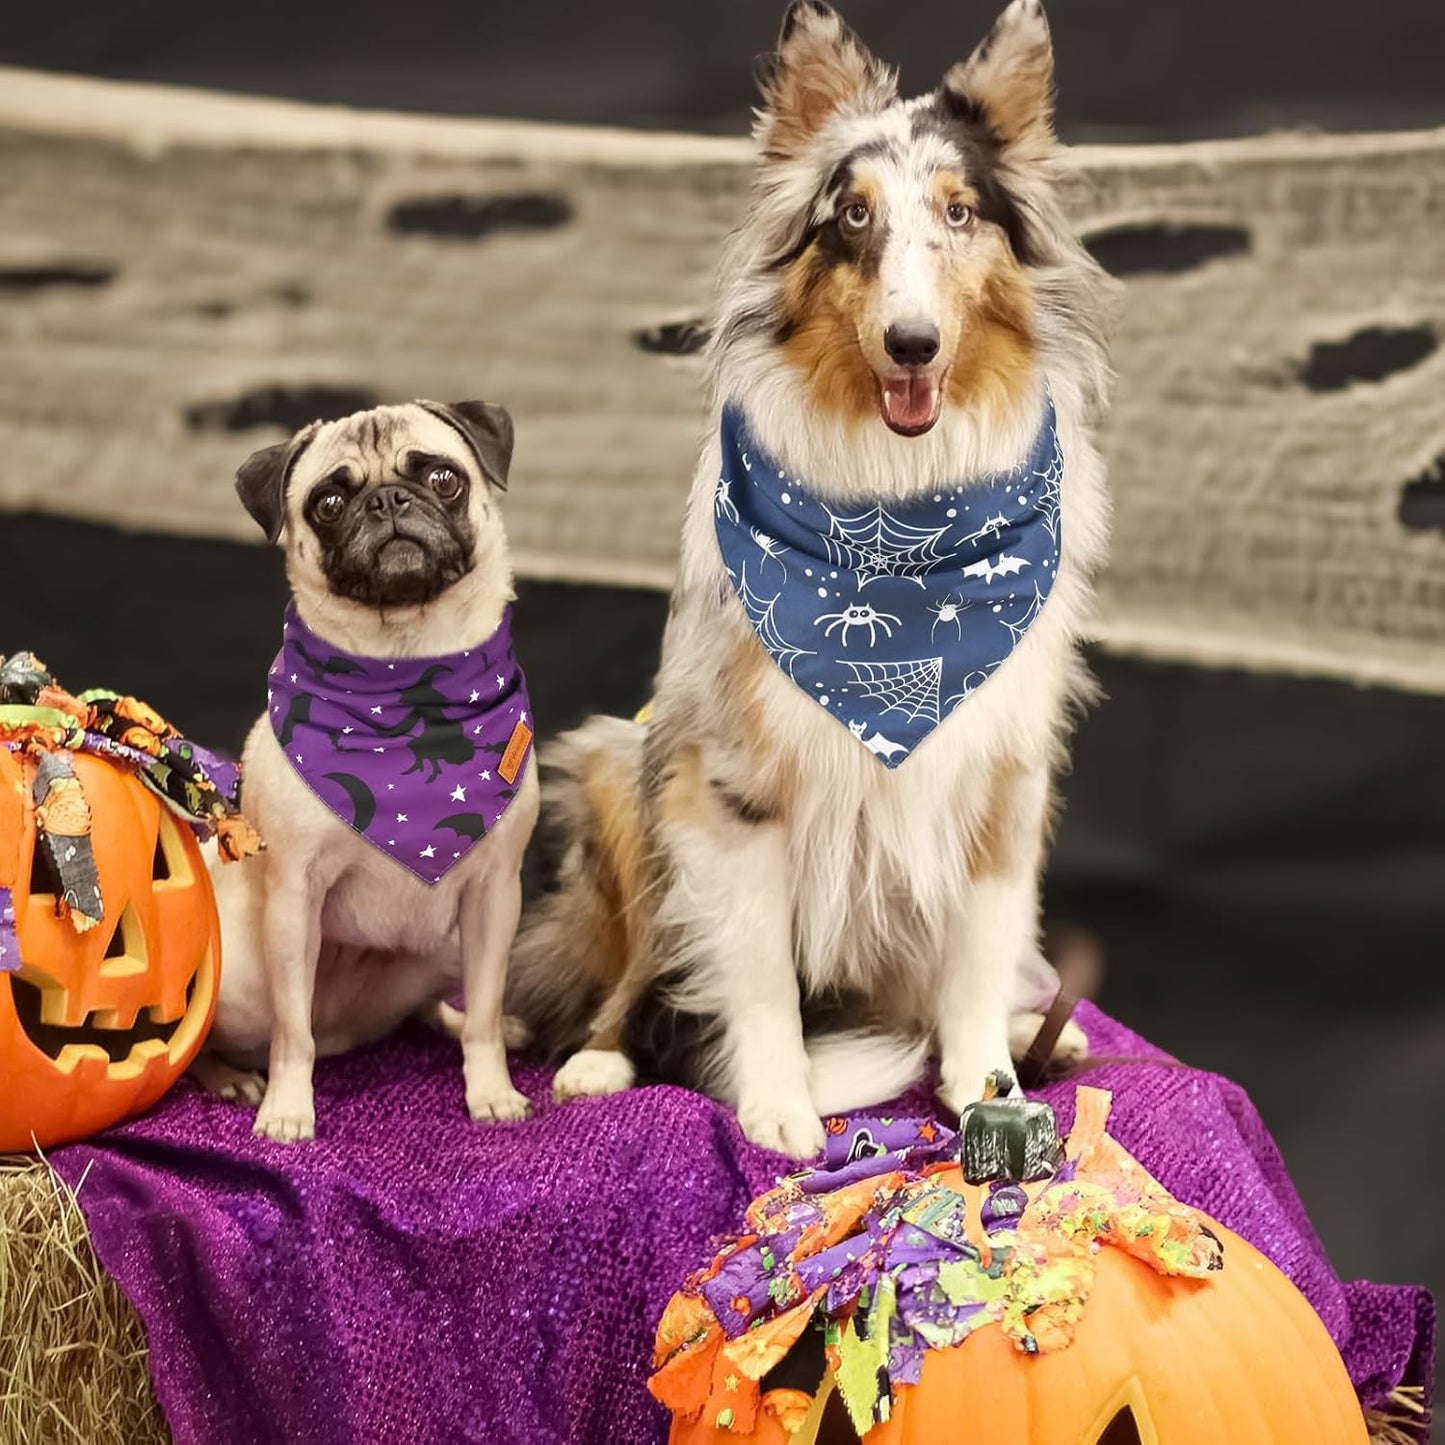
(411, 1276)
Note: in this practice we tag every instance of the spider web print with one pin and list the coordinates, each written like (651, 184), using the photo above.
(875, 545)
(1022, 624)
(1047, 496)
(760, 615)
(908, 687)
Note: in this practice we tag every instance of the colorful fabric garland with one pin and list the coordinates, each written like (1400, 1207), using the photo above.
(878, 1252)
(9, 943)
(46, 726)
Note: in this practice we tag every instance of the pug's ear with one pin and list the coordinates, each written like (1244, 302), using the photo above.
(261, 480)
(488, 431)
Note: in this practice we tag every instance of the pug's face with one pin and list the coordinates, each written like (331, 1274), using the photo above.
(385, 507)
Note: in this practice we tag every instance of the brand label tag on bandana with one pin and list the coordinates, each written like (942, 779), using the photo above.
(889, 616)
(418, 755)
(517, 745)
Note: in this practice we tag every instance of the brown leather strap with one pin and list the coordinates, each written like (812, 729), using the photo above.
(1033, 1067)
(1079, 961)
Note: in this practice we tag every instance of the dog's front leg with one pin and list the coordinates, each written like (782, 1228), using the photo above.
(996, 926)
(734, 885)
(291, 942)
(490, 909)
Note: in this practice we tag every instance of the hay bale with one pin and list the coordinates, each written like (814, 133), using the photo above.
(72, 1350)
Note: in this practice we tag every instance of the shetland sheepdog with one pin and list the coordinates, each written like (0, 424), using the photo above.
(750, 900)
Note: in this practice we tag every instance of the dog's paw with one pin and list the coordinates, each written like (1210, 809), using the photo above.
(225, 1081)
(287, 1116)
(496, 1105)
(793, 1129)
(590, 1072)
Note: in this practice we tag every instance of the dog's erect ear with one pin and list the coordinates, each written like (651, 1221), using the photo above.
(488, 430)
(1009, 80)
(262, 477)
(821, 67)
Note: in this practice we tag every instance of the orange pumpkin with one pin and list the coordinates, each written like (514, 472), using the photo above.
(96, 1026)
(1239, 1357)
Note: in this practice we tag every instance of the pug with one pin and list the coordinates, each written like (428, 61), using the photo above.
(391, 774)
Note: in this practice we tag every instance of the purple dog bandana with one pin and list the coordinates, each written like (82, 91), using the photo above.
(421, 756)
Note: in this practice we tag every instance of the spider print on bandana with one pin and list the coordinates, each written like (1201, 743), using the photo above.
(859, 617)
(879, 592)
(948, 610)
(771, 549)
(722, 501)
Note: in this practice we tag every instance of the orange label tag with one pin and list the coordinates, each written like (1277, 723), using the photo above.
(516, 753)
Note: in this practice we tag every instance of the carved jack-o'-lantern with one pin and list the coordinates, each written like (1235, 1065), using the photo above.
(1086, 1309)
(96, 1024)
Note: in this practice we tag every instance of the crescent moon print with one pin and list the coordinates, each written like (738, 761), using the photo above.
(363, 800)
(890, 615)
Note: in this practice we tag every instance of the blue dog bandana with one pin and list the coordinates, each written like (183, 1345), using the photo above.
(889, 616)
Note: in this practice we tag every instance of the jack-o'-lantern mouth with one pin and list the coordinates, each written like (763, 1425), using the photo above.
(148, 1035)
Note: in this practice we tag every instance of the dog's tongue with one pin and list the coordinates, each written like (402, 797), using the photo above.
(910, 403)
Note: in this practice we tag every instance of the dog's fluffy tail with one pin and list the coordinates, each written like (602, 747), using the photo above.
(575, 943)
(858, 1070)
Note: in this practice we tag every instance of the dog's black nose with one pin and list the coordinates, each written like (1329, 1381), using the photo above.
(389, 501)
(911, 343)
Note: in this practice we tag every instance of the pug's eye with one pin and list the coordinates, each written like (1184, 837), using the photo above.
(445, 483)
(856, 216)
(958, 214)
(328, 507)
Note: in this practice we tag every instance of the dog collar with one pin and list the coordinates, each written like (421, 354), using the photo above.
(421, 756)
(889, 616)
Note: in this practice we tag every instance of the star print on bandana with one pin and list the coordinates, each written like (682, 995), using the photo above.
(414, 733)
(889, 616)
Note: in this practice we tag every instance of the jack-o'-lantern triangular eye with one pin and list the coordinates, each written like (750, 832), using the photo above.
(126, 952)
(169, 868)
(1123, 1429)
